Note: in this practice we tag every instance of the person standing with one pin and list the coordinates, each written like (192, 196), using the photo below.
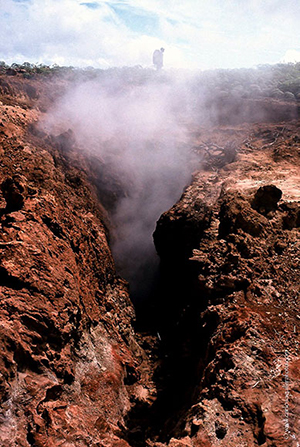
(158, 58)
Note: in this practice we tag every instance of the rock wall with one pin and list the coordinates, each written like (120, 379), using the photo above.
(70, 366)
(229, 320)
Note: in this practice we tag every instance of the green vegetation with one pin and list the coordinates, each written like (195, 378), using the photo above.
(29, 70)
(281, 81)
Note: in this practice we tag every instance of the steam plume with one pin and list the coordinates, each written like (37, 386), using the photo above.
(138, 132)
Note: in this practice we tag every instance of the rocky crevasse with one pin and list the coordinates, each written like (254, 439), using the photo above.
(219, 364)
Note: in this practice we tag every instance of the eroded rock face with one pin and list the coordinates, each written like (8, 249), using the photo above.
(239, 319)
(70, 366)
(181, 229)
(14, 192)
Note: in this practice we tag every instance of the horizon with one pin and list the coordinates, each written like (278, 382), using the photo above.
(166, 70)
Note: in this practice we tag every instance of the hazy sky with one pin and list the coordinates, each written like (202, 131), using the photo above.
(195, 33)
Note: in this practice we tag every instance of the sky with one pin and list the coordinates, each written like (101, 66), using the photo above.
(196, 34)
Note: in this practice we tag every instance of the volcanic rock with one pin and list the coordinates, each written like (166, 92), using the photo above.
(70, 365)
(239, 323)
(14, 191)
(181, 229)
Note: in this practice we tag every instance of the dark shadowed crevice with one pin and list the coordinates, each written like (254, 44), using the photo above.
(12, 282)
(172, 314)
(30, 436)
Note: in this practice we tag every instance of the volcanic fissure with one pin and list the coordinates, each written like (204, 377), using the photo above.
(175, 192)
(173, 323)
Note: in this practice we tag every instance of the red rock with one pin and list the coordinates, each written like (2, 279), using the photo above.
(225, 357)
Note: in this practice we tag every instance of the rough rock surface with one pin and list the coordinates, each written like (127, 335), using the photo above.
(238, 319)
(70, 366)
(220, 365)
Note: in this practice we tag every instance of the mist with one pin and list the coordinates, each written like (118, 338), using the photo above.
(138, 130)
(138, 125)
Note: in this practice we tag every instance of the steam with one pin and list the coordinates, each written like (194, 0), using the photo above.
(135, 122)
(138, 132)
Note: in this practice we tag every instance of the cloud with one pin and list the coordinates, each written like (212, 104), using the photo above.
(195, 33)
(291, 56)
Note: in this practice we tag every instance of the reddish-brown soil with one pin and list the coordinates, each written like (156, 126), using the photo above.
(217, 360)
